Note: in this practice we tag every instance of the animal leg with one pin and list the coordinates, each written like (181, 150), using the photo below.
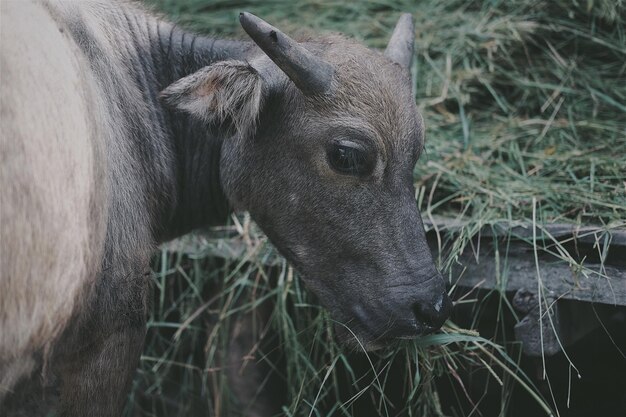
(97, 383)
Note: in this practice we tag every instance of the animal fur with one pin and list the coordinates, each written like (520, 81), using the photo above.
(120, 131)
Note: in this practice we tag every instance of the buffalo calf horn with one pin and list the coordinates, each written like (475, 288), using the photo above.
(310, 74)
(400, 47)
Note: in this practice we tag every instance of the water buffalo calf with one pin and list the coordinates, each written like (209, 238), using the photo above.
(120, 131)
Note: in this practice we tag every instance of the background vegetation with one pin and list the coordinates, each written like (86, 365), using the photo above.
(525, 106)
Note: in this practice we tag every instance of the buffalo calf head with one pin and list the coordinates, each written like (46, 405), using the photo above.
(321, 137)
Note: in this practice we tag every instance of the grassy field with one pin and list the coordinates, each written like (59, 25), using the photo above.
(525, 107)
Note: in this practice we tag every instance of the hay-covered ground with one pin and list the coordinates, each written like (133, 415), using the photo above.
(525, 108)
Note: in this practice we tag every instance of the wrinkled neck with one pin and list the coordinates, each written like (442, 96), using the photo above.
(199, 199)
(177, 53)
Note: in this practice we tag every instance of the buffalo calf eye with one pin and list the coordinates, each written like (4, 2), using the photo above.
(350, 158)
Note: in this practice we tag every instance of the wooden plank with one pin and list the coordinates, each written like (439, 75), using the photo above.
(559, 231)
(514, 267)
(595, 283)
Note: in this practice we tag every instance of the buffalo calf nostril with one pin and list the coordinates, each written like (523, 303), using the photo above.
(423, 315)
(435, 314)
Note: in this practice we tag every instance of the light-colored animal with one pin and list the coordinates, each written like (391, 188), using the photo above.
(120, 131)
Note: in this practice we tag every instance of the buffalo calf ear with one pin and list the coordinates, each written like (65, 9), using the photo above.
(227, 94)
